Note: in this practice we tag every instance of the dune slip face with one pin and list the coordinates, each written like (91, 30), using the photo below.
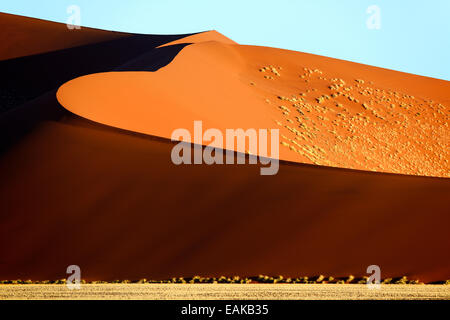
(23, 36)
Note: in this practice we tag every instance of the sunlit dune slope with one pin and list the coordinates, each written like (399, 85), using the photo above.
(22, 36)
(329, 112)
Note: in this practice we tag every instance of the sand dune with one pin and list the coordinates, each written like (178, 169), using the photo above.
(23, 36)
(212, 35)
(29, 77)
(329, 112)
(104, 194)
(113, 203)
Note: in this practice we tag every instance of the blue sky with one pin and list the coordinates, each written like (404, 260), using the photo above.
(414, 35)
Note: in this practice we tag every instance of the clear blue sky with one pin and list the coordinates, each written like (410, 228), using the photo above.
(414, 36)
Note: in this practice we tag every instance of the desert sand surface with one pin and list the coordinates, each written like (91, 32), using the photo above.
(87, 179)
(225, 292)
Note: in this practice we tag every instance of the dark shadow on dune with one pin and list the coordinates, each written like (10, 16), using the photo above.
(154, 59)
(103, 192)
(28, 85)
(26, 78)
(15, 124)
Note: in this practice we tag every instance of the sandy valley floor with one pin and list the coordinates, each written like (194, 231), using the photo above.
(225, 291)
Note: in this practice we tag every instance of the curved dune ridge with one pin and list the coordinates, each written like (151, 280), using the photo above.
(75, 191)
(329, 112)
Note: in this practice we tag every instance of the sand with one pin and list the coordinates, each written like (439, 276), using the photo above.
(107, 201)
(104, 194)
(327, 114)
(225, 292)
(22, 36)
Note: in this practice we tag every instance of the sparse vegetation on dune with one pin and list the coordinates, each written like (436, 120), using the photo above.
(393, 131)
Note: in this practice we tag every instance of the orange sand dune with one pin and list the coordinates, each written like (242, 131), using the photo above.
(75, 191)
(22, 36)
(329, 112)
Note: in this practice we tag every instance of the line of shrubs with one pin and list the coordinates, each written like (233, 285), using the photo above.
(236, 279)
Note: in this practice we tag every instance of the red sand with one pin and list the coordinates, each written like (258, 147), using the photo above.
(398, 123)
(111, 201)
(114, 204)
(23, 36)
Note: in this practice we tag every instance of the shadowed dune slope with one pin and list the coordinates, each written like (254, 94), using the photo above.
(75, 191)
(22, 36)
(27, 77)
(329, 112)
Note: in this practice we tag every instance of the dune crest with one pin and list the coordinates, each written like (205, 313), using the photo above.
(211, 35)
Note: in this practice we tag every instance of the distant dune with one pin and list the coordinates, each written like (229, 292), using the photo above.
(22, 36)
(87, 177)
